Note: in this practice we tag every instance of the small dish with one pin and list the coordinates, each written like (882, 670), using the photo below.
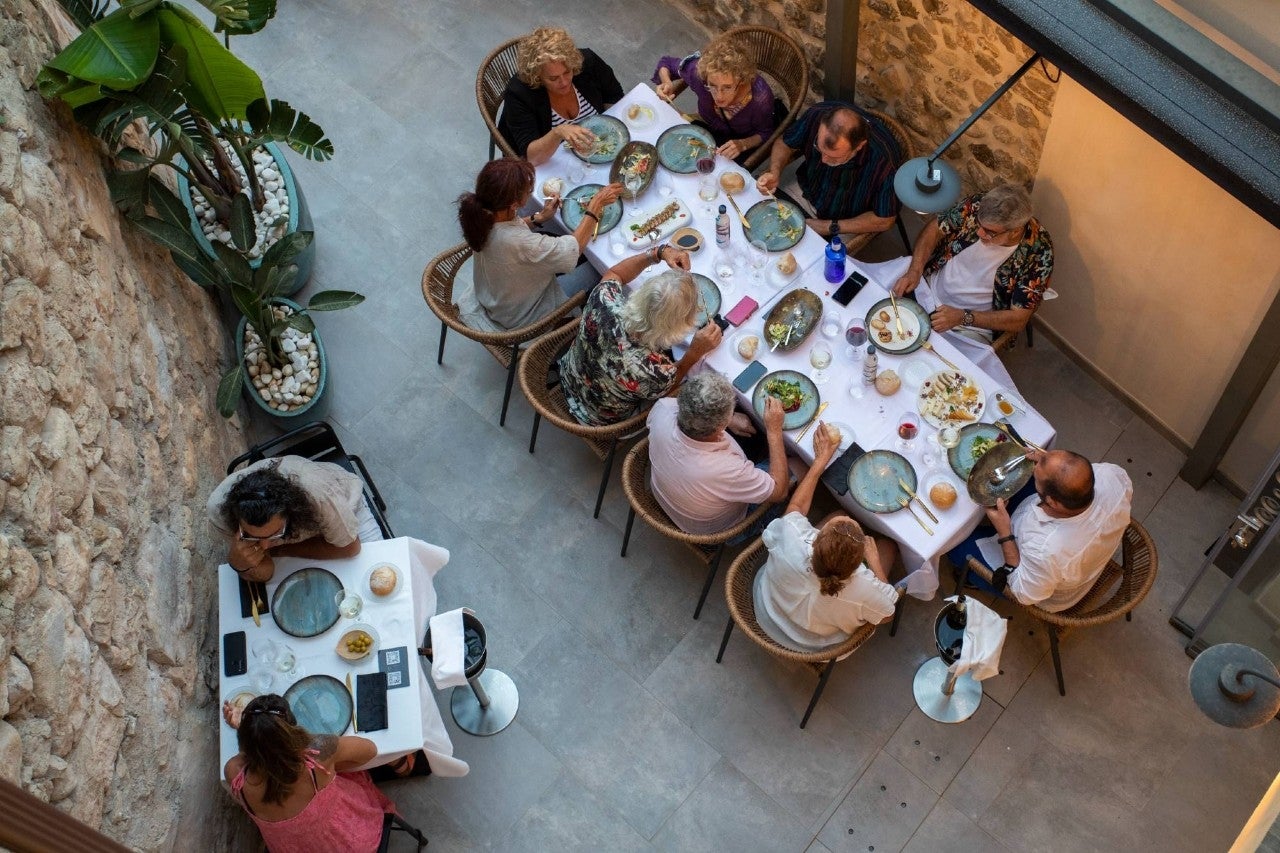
(742, 339)
(357, 642)
(689, 239)
(241, 699)
(939, 501)
(639, 116)
(846, 434)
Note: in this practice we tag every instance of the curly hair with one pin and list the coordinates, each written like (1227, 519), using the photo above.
(727, 55)
(260, 495)
(1005, 206)
(837, 551)
(661, 312)
(704, 405)
(273, 745)
(543, 45)
(500, 184)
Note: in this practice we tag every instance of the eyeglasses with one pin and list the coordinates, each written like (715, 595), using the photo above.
(991, 232)
(722, 90)
(274, 537)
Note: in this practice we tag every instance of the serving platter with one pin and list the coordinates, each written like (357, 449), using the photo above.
(963, 456)
(797, 313)
(635, 158)
(950, 397)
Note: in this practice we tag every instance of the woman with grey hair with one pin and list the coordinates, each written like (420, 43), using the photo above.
(621, 358)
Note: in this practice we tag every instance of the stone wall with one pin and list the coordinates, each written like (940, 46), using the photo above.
(109, 361)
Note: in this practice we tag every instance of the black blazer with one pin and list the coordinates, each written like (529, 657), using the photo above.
(526, 112)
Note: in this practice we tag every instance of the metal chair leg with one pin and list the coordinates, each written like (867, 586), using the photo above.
(1128, 617)
(897, 614)
(817, 694)
(902, 232)
(511, 378)
(533, 435)
(493, 146)
(711, 575)
(604, 479)
(1030, 342)
(444, 330)
(728, 629)
(1057, 659)
(626, 537)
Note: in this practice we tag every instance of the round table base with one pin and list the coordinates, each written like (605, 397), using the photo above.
(957, 707)
(504, 701)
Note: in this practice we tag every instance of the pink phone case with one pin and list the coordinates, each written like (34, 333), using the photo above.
(744, 309)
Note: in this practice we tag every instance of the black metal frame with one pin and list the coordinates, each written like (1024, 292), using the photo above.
(713, 565)
(511, 369)
(823, 678)
(392, 822)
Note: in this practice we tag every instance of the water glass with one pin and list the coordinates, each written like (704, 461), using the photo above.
(577, 172)
(759, 256)
(832, 324)
(948, 437)
(262, 681)
(286, 659)
(726, 264)
(663, 183)
(617, 243)
(820, 359)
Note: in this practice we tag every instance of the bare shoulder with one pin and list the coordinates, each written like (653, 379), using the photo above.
(325, 745)
(233, 767)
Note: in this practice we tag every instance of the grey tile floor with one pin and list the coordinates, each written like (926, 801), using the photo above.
(629, 735)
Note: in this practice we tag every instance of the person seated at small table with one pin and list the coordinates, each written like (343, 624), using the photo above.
(555, 85)
(291, 507)
(514, 270)
(987, 262)
(621, 359)
(698, 473)
(301, 790)
(734, 101)
(847, 175)
(1055, 545)
(820, 584)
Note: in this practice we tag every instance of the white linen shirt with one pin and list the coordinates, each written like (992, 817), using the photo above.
(705, 486)
(789, 603)
(513, 281)
(1062, 557)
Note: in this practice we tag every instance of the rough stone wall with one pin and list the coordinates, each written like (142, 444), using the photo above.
(109, 361)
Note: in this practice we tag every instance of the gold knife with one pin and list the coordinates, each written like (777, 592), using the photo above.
(916, 498)
(906, 504)
(745, 224)
(896, 318)
(352, 691)
(253, 606)
(822, 407)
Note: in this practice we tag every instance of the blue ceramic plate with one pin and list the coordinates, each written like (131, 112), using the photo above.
(780, 224)
(576, 198)
(710, 298)
(680, 147)
(321, 703)
(305, 604)
(808, 408)
(873, 480)
(961, 456)
(915, 323)
(611, 136)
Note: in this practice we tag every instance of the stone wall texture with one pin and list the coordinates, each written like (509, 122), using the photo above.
(929, 63)
(109, 441)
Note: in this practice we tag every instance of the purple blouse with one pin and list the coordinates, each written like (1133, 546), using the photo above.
(755, 118)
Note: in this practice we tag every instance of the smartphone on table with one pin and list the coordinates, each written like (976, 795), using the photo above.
(852, 287)
(749, 377)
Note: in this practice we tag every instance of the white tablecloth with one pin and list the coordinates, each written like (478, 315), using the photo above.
(400, 620)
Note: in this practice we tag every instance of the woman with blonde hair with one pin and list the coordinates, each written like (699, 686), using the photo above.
(621, 359)
(555, 85)
(734, 101)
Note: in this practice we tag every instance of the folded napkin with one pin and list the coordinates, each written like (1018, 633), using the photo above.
(984, 634)
(448, 650)
(837, 474)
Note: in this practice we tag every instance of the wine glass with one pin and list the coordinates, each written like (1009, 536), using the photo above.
(706, 165)
(948, 436)
(577, 172)
(759, 255)
(632, 184)
(286, 659)
(908, 429)
(349, 603)
(832, 323)
(820, 358)
(856, 337)
(708, 187)
(726, 264)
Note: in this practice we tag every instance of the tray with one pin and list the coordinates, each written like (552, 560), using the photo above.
(635, 158)
(680, 219)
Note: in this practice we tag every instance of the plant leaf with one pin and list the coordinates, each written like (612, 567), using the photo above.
(85, 13)
(247, 303)
(279, 279)
(334, 300)
(219, 85)
(244, 232)
(201, 270)
(177, 240)
(128, 190)
(279, 122)
(236, 266)
(166, 203)
(117, 51)
(287, 248)
(255, 15)
(229, 390)
(300, 321)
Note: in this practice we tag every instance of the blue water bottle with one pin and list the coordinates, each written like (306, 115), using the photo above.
(834, 269)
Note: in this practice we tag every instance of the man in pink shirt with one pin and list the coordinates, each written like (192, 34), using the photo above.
(698, 473)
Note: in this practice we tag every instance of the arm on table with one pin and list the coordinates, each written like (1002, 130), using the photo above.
(593, 210)
(920, 254)
(779, 156)
(773, 416)
(823, 449)
(318, 548)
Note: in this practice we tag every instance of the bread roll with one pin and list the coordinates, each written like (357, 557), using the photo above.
(942, 495)
(732, 182)
(747, 347)
(552, 186)
(888, 383)
(787, 264)
(382, 581)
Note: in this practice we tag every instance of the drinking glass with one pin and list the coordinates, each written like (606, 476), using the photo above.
(933, 452)
(759, 256)
(663, 182)
(856, 337)
(264, 651)
(349, 603)
(908, 429)
(820, 358)
(832, 323)
(617, 243)
(262, 681)
(286, 659)
(706, 165)
(726, 264)
(577, 172)
(948, 436)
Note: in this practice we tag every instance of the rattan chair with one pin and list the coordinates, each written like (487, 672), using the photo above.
(1136, 573)
(708, 548)
(785, 67)
(547, 399)
(742, 610)
(437, 289)
(495, 72)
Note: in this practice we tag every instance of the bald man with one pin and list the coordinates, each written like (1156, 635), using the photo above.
(1055, 544)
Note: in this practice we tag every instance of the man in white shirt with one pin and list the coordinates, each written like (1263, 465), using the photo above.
(698, 473)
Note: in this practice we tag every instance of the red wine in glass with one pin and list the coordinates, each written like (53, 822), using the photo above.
(908, 430)
(706, 165)
(855, 336)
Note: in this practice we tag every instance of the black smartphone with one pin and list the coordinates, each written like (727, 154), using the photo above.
(234, 660)
(749, 377)
(720, 321)
(852, 285)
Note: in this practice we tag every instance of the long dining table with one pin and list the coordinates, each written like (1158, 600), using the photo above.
(870, 416)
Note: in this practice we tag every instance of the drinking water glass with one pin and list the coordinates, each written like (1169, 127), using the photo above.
(663, 182)
(832, 324)
(726, 264)
(349, 604)
(759, 255)
(617, 243)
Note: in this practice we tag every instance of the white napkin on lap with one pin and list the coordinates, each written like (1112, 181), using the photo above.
(448, 650)
(984, 634)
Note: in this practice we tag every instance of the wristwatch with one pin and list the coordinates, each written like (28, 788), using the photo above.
(968, 317)
(835, 227)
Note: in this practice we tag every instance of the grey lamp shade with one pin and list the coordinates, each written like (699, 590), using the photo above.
(1225, 695)
(926, 190)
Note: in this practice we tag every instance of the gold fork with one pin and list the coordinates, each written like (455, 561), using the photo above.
(906, 504)
(929, 346)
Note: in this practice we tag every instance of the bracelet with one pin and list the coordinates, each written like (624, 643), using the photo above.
(592, 215)
(657, 251)
(1004, 539)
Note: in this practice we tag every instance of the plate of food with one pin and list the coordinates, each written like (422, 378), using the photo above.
(975, 440)
(985, 488)
(780, 224)
(746, 344)
(873, 480)
(882, 326)
(656, 223)
(611, 136)
(575, 202)
(795, 391)
(357, 642)
(635, 159)
(305, 603)
(710, 295)
(321, 703)
(790, 321)
(680, 147)
(951, 398)
(639, 115)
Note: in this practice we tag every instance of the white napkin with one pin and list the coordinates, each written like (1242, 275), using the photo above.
(984, 634)
(448, 651)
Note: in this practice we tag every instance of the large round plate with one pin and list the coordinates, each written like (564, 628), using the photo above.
(321, 703)
(802, 415)
(710, 295)
(986, 493)
(951, 397)
(611, 136)
(680, 147)
(915, 323)
(873, 480)
(305, 604)
(575, 201)
(780, 224)
(961, 456)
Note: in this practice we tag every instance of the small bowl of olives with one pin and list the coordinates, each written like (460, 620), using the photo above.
(357, 643)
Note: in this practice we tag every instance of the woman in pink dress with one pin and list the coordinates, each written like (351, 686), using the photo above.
(299, 788)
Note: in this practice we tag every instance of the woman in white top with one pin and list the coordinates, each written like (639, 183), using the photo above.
(514, 271)
(820, 584)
